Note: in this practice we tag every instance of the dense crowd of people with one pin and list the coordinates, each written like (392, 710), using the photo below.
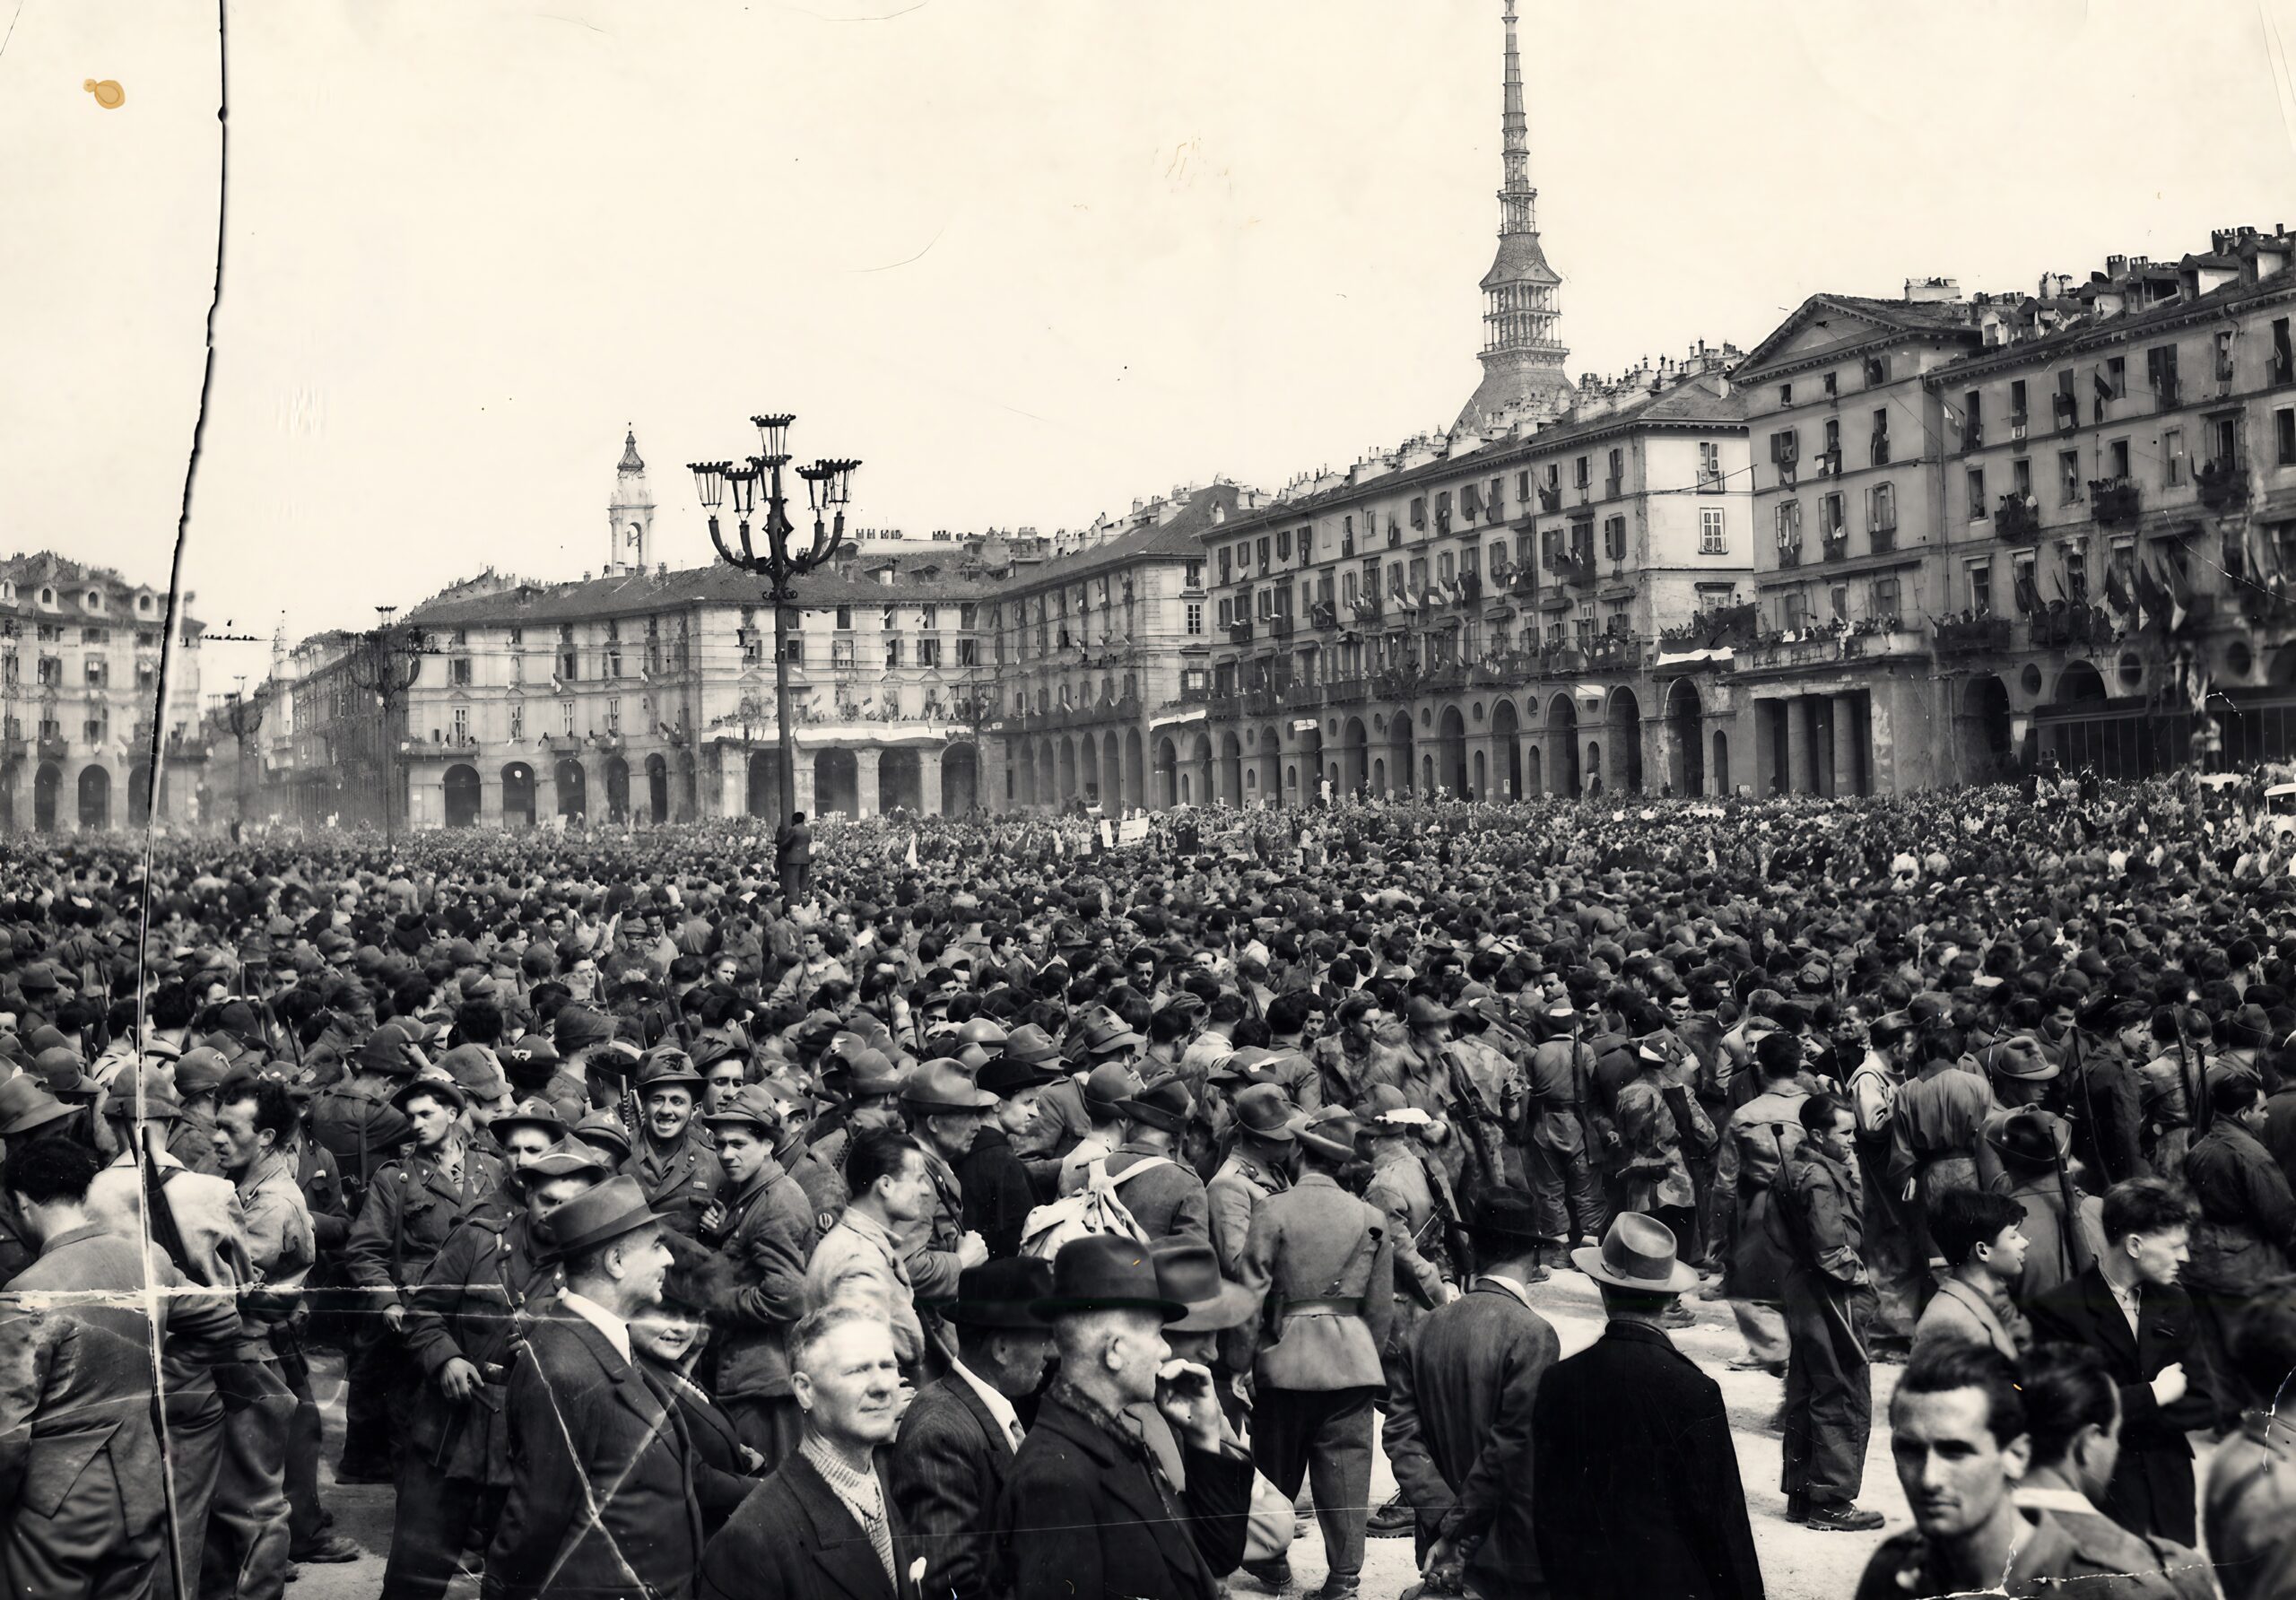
(990, 1207)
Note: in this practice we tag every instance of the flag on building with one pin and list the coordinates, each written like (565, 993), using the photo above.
(2117, 594)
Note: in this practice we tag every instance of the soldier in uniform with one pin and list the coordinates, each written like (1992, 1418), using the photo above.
(944, 1111)
(1555, 1158)
(670, 1156)
(464, 1324)
(1829, 1385)
(823, 1184)
(1325, 1268)
(766, 1228)
(1161, 1190)
(1257, 1167)
(355, 1122)
(410, 1207)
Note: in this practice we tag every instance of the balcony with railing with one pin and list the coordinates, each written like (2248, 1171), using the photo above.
(1789, 555)
(1303, 697)
(1871, 638)
(1614, 487)
(1827, 463)
(2115, 502)
(2075, 624)
(1346, 692)
(1615, 652)
(1724, 628)
(2223, 482)
(1952, 637)
(1550, 497)
(1263, 701)
(1240, 634)
(1878, 447)
(1323, 615)
(54, 747)
(2016, 521)
(1882, 540)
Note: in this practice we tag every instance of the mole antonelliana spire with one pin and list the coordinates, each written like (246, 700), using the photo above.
(1522, 358)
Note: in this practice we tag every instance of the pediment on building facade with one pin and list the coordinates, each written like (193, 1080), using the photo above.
(1826, 322)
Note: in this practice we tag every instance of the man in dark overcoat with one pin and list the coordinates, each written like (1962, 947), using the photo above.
(1636, 1478)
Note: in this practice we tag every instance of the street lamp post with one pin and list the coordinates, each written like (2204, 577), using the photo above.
(245, 717)
(829, 488)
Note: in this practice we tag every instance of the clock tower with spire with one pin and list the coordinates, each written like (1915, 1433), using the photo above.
(1522, 358)
(629, 514)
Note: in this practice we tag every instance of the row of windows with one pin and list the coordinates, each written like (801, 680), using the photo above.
(91, 599)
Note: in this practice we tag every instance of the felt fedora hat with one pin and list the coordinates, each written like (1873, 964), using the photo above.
(1190, 1273)
(599, 1216)
(1638, 1253)
(1009, 1293)
(1105, 1272)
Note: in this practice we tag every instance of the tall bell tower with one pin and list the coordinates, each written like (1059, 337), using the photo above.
(1522, 358)
(629, 514)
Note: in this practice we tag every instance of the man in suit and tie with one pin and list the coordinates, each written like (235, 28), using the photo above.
(602, 1494)
(824, 1524)
(1637, 1492)
(2129, 1308)
(961, 1433)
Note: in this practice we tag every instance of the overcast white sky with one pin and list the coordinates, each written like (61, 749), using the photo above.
(1028, 259)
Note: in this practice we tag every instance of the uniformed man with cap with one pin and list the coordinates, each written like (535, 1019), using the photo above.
(27, 1112)
(945, 1110)
(766, 1230)
(602, 1498)
(410, 1207)
(354, 1120)
(1555, 1156)
(1162, 1191)
(464, 1324)
(197, 1075)
(1324, 1267)
(872, 1088)
(671, 1159)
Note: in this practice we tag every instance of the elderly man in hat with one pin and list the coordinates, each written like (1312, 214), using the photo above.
(411, 1206)
(1459, 1404)
(670, 1158)
(959, 1437)
(1089, 1508)
(769, 1228)
(465, 1321)
(1635, 1491)
(1325, 1265)
(1160, 1189)
(601, 1498)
